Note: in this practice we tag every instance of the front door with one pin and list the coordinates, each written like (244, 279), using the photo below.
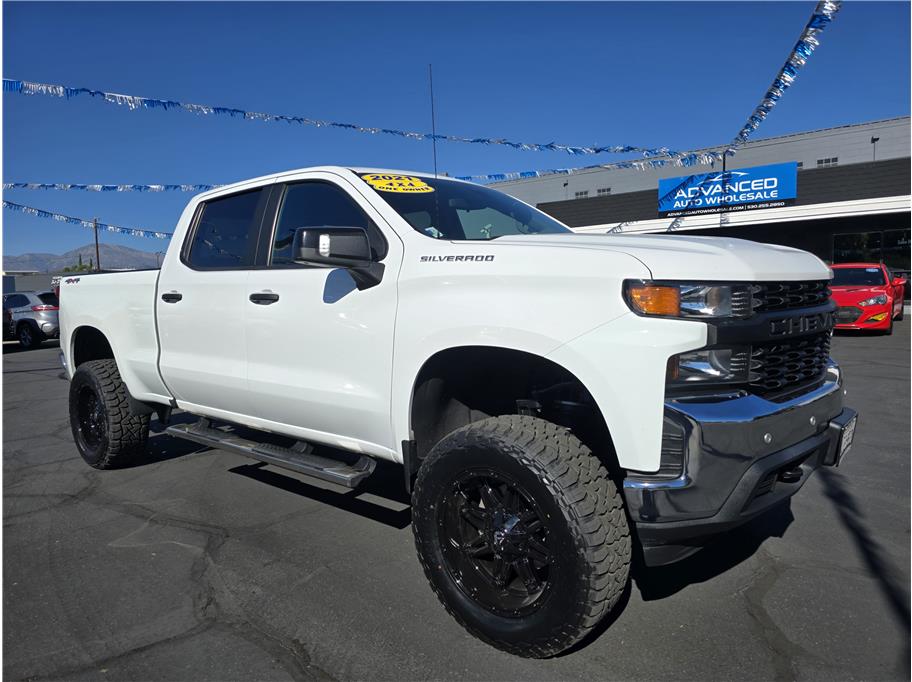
(319, 351)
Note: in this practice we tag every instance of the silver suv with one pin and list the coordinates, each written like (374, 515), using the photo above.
(33, 316)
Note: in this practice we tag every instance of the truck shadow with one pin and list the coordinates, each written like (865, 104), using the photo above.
(717, 557)
(726, 552)
(385, 485)
(889, 579)
(381, 497)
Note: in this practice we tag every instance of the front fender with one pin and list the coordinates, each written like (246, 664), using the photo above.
(623, 363)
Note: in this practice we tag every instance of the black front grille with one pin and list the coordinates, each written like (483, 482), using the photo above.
(782, 366)
(846, 314)
(769, 296)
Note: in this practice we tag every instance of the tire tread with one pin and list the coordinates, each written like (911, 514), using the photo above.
(592, 509)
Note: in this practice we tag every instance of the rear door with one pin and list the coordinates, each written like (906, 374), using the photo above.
(319, 351)
(201, 303)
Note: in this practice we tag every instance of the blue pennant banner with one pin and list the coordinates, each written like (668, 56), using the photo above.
(82, 222)
(807, 43)
(133, 102)
(685, 159)
(67, 186)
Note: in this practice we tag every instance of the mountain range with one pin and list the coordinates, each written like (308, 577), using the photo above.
(112, 258)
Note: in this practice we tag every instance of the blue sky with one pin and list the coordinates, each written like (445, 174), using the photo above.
(682, 75)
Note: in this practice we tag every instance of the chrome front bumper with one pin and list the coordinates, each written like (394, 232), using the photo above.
(736, 450)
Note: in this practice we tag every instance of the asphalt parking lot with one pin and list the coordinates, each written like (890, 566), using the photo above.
(203, 565)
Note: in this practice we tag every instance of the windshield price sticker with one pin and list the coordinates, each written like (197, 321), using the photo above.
(402, 184)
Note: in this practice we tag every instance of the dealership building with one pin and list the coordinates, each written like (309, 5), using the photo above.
(842, 193)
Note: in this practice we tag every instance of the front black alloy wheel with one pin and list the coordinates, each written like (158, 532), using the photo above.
(496, 542)
(521, 533)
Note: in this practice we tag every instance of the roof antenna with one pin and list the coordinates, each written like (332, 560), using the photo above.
(433, 119)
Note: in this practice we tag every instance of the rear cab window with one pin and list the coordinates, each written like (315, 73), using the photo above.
(226, 232)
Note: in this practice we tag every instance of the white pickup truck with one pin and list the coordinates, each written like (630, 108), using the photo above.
(559, 402)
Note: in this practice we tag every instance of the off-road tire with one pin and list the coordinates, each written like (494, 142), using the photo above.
(30, 337)
(584, 509)
(120, 437)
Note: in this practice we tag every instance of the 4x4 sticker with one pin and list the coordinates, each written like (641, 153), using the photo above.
(404, 184)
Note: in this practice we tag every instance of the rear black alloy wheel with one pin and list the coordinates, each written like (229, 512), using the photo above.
(495, 543)
(521, 533)
(90, 417)
(107, 433)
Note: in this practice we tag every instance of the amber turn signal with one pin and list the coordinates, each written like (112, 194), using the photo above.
(655, 300)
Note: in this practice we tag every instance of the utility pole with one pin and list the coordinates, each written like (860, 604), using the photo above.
(97, 253)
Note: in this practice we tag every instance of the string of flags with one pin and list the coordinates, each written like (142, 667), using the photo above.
(67, 186)
(82, 222)
(823, 14)
(684, 159)
(133, 102)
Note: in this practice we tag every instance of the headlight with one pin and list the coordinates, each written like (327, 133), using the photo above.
(876, 300)
(689, 299)
(710, 365)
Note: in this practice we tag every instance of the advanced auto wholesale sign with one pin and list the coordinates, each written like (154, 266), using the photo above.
(735, 190)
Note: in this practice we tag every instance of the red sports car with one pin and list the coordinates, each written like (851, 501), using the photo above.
(867, 295)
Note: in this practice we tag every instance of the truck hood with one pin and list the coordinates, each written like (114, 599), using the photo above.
(682, 257)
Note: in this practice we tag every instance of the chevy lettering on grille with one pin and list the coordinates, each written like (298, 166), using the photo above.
(802, 324)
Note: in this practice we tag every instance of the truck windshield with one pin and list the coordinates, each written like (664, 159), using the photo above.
(858, 277)
(452, 210)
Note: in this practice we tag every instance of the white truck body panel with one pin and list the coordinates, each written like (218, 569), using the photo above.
(337, 365)
(121, 305)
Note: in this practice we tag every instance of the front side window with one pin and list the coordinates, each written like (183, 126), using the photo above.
(226, 233)
(859, 277)
(453, 210)
(320, 204)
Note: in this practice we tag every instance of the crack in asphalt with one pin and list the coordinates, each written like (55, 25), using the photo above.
(784, 652)
(214, 604)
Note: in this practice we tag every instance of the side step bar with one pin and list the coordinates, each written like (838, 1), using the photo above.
(296, 458)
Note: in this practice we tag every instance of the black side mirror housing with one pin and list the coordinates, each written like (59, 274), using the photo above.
(346, 247)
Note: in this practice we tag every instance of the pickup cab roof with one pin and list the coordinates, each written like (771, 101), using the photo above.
(343, 170)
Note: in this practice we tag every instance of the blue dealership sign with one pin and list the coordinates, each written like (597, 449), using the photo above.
(735, 190)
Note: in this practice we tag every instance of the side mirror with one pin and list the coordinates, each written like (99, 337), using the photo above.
(347, 247)
(898, 281)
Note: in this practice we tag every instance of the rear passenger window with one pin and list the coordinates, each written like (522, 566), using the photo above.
(227, 231)
(320, 204)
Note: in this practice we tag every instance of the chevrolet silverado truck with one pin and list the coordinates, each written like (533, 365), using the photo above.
(559, 403)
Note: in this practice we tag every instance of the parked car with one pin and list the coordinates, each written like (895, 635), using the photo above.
(868, 296)
(558, 401)
(33, 316)
(8, 333)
